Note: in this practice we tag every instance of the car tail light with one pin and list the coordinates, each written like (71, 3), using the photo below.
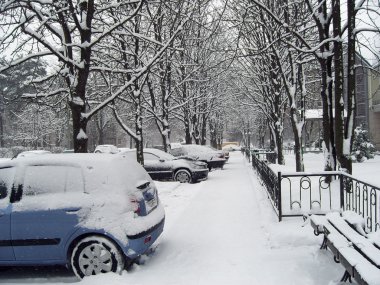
(147, 239)
(136, 206)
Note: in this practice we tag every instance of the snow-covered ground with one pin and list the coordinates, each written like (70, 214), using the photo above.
(220, 231)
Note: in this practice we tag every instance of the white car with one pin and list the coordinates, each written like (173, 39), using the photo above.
(231, 147)
(30, 153)
(213, 158)
(106, 148)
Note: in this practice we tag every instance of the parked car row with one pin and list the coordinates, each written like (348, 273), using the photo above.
(184, 163)
(93, 213)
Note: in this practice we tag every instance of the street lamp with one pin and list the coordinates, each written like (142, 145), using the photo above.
(249, 139)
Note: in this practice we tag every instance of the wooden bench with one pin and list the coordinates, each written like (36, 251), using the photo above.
(351, 246)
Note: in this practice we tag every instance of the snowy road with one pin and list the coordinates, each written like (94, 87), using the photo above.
(220, 231)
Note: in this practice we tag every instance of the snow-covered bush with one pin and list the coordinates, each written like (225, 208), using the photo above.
(362, 148)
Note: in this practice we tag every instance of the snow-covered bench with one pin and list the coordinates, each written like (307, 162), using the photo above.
(356, 250)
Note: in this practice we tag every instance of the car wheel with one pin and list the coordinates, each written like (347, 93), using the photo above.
(95, 255)
(182, 176)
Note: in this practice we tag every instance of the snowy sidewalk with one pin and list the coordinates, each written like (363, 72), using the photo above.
(213, 240)
(227, 233)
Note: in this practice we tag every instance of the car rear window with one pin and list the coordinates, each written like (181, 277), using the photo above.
(178, 152)
(149, 156)
(6, 180)
(52, 179)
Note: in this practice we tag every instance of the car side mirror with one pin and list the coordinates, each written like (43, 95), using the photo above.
(16, 193)
(3, 191)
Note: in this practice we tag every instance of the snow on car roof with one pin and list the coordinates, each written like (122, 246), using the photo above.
(106, 148)
(100, 171)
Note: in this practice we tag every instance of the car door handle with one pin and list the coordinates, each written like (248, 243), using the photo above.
(72, 211)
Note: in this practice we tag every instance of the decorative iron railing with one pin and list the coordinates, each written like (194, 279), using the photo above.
(362, 198)
(270, 181)
(297, 194)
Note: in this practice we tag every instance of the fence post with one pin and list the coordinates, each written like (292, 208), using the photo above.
(279, 204)
(341, 186)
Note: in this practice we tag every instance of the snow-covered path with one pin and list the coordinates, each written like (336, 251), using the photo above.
(214, 238)
(221, 231)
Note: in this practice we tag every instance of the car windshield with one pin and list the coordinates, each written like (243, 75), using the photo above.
(149, 152)
(165, 155)
(187, 157)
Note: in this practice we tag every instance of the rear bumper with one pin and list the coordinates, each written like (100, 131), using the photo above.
(216, 163)
(199, 175)
(140, 243)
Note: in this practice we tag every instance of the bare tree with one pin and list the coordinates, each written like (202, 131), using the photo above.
(68, 32)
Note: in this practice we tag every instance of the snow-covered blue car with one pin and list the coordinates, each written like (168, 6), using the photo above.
(94, 213)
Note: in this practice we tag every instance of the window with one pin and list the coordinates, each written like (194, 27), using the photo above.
(130, 154)
(150, 156)
(52, 179)
(6, 181)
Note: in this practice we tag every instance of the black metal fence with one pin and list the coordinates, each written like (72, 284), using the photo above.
(297, 194)
(262, 154)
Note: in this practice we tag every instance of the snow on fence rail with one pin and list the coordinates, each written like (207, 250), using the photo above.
(300, 193)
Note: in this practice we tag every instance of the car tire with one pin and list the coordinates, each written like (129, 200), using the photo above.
(95, 255)
(182, 176)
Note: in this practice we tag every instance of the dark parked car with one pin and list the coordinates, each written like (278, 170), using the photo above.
(213, 158)
(163, 166)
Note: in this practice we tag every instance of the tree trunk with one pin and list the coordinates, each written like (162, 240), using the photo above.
(351, 87)
(203, 129)
(326, 117)
(139, 143)
(279, 150)
(79, 128)
(213, 139)
(188, 138)
(277, 144)
(326, 85)
(339, 103)
(297, 141)
(1, 127)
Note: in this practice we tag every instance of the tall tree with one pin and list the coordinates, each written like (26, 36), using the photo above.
(68, 31)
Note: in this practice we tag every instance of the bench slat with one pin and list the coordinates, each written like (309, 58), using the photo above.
(358, 252)
(361, 242)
